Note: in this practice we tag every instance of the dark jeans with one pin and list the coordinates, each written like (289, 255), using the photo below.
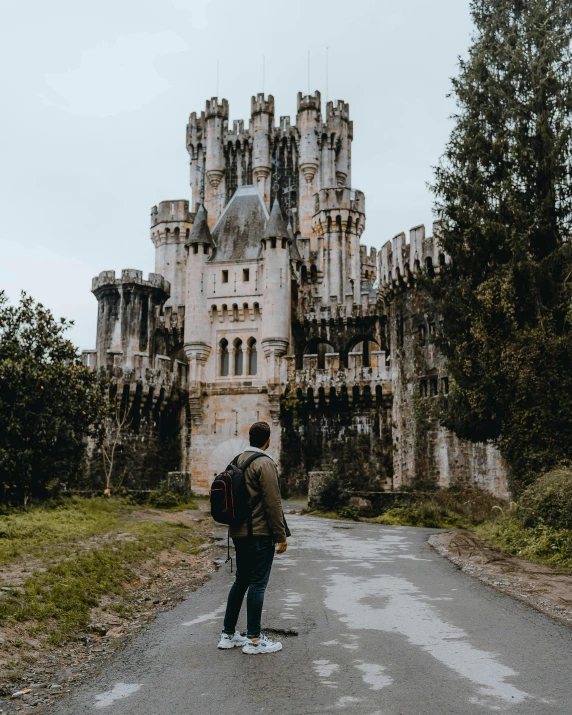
(253, 564)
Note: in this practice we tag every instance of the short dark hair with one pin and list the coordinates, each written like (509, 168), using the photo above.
(259, 434)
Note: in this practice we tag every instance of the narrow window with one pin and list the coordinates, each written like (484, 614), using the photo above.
(252, 357)
(422, 334)
(225, 276)
(366, 354)
(445, 385)
(246, 274)
(238, 356)
(195, 248)
(224, 361)
(423, 388)
(433, 386)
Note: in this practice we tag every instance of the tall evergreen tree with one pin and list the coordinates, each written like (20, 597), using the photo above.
(504, 198)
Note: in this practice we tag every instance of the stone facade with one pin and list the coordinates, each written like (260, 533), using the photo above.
(265, 306)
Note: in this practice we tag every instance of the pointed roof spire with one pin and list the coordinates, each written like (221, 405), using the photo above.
(200, 232)
(293, 245)
(276, 228)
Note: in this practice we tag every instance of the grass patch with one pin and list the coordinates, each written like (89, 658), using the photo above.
(57, 600)
(452, 508)
(542, 543)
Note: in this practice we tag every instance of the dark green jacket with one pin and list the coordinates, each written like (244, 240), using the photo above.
(262, 483)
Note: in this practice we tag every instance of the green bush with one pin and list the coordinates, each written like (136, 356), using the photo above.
(445, 508)
(328, 495)
(169, 500)
(548, 501)
(348, 512)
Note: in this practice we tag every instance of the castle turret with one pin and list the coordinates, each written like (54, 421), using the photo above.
(216, 121)
(339, 221)
(197, 326)
(171, 223)
(336, 151)
(261, 126)
(308, 121)
(127, 316)
(277, 290)
(195, 146)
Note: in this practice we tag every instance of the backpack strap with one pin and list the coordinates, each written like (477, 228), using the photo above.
(247, 462)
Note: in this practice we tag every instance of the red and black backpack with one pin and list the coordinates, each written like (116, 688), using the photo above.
(229, 495)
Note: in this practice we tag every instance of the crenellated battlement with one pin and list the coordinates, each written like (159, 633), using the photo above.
(340, 313)
(214, 109)
(176, 211)
(260, 105)
(309, 102)
(195, 131)
(130, 277)
(339, 110)
(400, 261)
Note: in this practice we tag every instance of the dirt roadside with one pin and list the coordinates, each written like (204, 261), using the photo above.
(159, 584)
(546, 589)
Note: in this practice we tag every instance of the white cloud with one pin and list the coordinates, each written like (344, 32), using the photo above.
(116, 78)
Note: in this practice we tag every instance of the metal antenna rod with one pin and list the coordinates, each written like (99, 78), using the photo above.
(217, 76)
(263, 72)
(308, 72)
(327, 93)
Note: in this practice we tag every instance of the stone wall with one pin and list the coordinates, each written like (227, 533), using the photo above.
(424, 452)
(222, 433)
(351, 437)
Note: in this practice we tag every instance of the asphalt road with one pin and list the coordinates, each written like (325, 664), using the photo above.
(386, 627)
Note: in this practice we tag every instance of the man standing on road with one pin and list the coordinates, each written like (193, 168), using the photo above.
(254, 555)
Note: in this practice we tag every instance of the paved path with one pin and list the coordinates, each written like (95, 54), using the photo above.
(386, 627)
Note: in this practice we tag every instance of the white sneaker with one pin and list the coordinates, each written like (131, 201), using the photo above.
(264, 645)
(234, 641)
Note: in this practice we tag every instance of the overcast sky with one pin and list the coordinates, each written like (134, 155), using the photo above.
(96, 97)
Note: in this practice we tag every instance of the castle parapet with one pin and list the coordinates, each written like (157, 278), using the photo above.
(309, 101)
(340, 197)
(131, 276)
(214, 109)
(399, 261)
(259, 104)
(167, 212)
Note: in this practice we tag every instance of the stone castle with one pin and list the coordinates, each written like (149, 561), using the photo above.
(264, 305)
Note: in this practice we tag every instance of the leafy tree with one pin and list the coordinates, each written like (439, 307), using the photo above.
(49, 401)
(504, 199)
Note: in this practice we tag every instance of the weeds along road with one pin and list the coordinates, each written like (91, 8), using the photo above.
(385, 627)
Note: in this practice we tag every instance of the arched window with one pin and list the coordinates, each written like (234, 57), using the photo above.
(252, 357)
(224, 359)
(177, 232)
(238, 356)
(320, 348)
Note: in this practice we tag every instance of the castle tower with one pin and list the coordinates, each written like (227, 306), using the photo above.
(216, 121)
(308, 121)
(196, 140)
(277, 295)
(171, 223)
(336, 150)
(338, 222)
(128, 308)
(261, 126)
(197, 324)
